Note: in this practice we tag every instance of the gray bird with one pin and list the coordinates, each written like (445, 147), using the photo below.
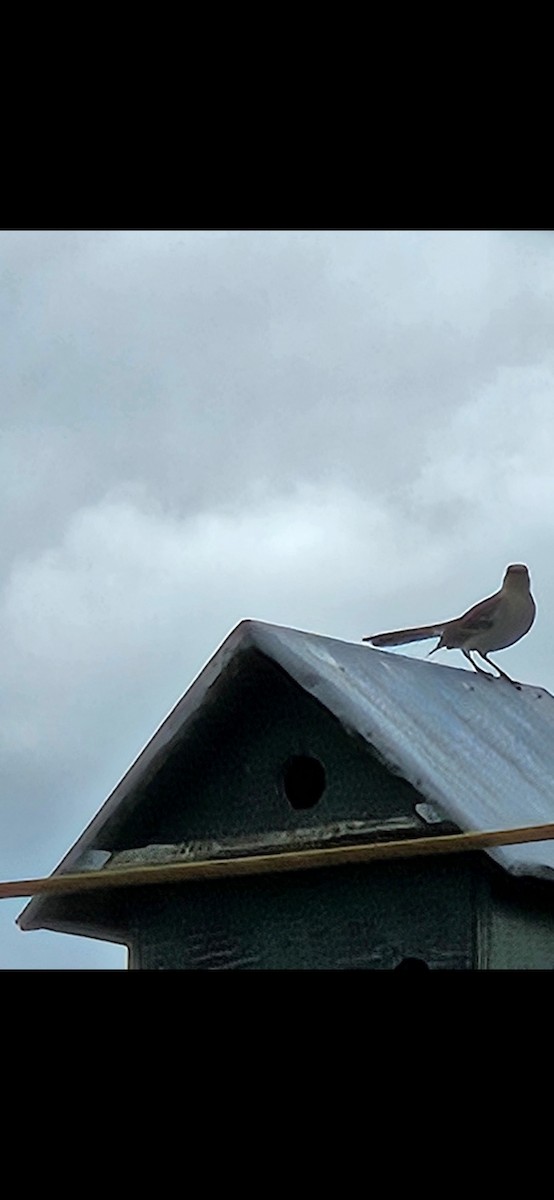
(493, 624)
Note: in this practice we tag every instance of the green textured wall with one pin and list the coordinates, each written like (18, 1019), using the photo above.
(229, 780)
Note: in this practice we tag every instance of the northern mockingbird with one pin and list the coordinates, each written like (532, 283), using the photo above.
(495, 623)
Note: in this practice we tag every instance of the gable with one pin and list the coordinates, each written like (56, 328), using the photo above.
(227, 775)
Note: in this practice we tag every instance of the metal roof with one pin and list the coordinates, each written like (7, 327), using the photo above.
(480, 749)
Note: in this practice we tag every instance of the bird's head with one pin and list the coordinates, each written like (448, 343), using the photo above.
(517, 573)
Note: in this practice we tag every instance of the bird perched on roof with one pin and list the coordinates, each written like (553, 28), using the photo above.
(493, 624)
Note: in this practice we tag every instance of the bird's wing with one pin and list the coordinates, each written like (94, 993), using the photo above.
(481, 616)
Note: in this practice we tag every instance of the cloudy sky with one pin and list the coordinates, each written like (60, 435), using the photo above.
(339, 431)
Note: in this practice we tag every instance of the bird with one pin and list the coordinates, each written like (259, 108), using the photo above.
(493, 624)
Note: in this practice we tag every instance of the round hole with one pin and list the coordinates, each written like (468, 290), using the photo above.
(303, 781)
(412, 964)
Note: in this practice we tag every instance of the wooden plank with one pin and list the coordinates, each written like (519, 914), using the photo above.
(294, 860)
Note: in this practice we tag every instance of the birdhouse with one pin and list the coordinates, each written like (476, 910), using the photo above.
(288, 742)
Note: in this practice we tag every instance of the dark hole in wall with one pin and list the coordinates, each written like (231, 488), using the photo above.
(303, 781)
(412, 964)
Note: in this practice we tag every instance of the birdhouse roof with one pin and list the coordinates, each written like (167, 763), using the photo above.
(480, 750)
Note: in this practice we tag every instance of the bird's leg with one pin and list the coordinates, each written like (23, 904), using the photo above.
(497, 668)
(467, 655)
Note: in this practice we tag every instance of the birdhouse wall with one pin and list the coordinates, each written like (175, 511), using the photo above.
(380, 916)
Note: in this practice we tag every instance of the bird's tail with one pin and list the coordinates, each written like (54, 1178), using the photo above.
(400, 637)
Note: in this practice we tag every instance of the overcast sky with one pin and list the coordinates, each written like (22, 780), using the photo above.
(338, 431)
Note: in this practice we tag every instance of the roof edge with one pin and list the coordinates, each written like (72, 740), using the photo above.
(242, 636)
